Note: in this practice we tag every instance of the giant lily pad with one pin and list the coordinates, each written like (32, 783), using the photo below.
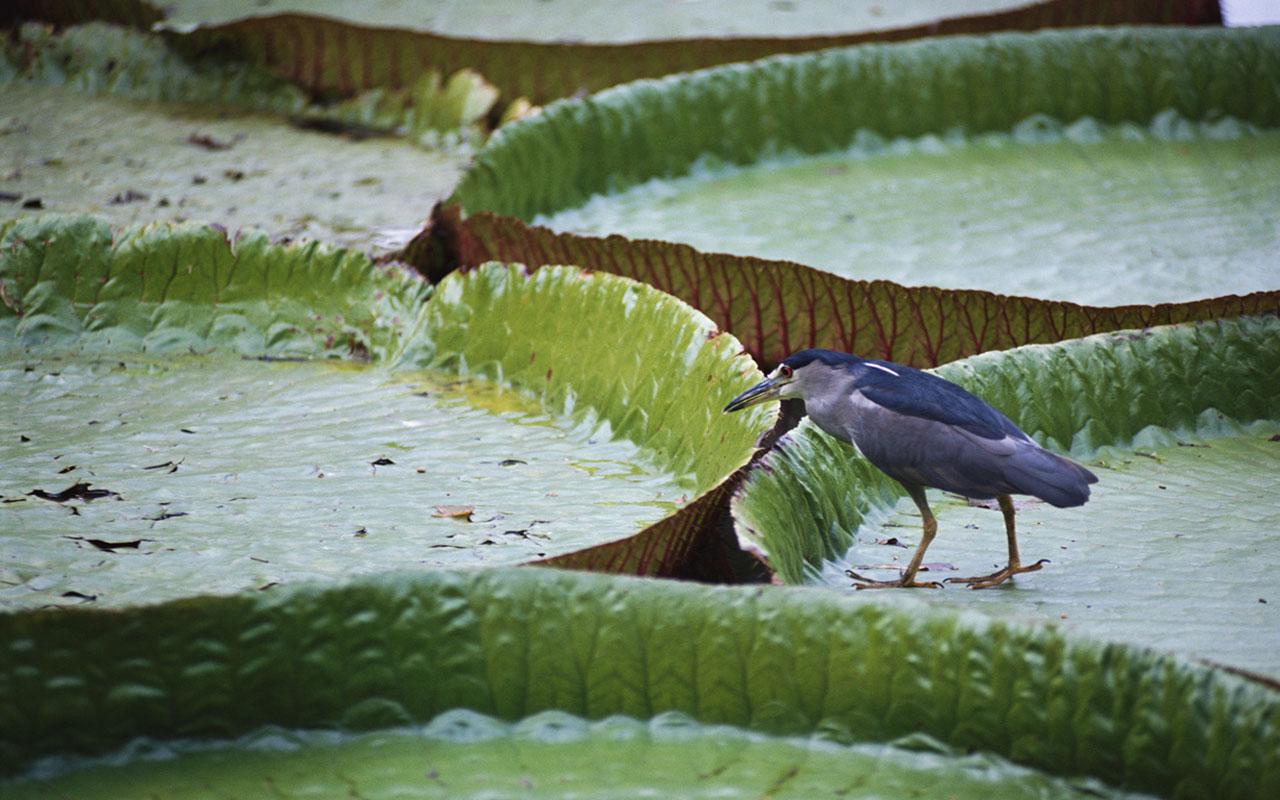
(331, 55)
(464, 754)
(1092, 214)
(164, 138)
(201, 167)
(648, 20)
(932, 110)
(1177, 546)
(400, 651)
(222, 474)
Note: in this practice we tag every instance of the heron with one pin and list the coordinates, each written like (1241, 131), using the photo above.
(923, 430)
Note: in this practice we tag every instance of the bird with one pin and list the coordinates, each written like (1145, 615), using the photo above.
(924, 431)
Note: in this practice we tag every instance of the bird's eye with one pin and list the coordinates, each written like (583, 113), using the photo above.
(785, 371)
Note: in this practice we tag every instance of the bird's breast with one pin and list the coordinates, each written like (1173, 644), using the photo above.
(848, 416)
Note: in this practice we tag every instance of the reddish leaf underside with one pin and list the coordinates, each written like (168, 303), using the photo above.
(777, 307)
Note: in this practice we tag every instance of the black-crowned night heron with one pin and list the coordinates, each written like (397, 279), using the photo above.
(923, 431)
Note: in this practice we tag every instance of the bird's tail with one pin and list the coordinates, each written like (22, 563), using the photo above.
(1054, 479)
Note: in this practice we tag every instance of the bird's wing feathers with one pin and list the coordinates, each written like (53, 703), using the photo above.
(918, 394)
(954, 457)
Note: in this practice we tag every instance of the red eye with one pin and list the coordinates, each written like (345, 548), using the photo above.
(785, 371)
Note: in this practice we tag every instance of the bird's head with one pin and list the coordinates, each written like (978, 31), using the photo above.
(793, 377)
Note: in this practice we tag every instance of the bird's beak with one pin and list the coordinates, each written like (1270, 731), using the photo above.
(766, 389)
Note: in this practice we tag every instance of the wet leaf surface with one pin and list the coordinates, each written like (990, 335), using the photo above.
(1171, 554)
(1086, 213)
(462, 754)
(1172, 551)
(276, 477)
(131, 162)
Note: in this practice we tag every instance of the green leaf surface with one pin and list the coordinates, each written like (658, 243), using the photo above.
(462, 754)
(1092, 214)
(73, 285)
(1173, 551)
(1176, 550)
(653, 371)
(208, 140)
(331, 55)
(618, 354)
(236, 475)
(1002, 95)
(628, 378)
(104, 59)
(510, 644)
(823, 102)
(262, 175)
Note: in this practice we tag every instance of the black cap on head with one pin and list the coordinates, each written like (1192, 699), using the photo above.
(829, 357)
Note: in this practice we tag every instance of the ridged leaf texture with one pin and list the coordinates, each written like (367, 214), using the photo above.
(514, 643)
(818, 103)
(812, 492)
(598, 347)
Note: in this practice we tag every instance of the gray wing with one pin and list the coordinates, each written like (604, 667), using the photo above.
(931, 453)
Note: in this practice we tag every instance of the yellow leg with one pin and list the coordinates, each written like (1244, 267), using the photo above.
(1015, 563)
(908, 578)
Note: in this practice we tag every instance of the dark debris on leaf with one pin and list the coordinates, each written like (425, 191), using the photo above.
(10, 197)
(163, 515)
(77, 491)
(354, 131)
(110, 547)
(207, 142)
(65, 470)
(358, 350)
(382, 462)
(892, 541)
(88, 598)
(169, 467)
(129, 196)
(511, 462)
(1275, 438)
(34, 202)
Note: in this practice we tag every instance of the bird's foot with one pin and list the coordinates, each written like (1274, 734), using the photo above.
(902, 583)
(999, 576)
